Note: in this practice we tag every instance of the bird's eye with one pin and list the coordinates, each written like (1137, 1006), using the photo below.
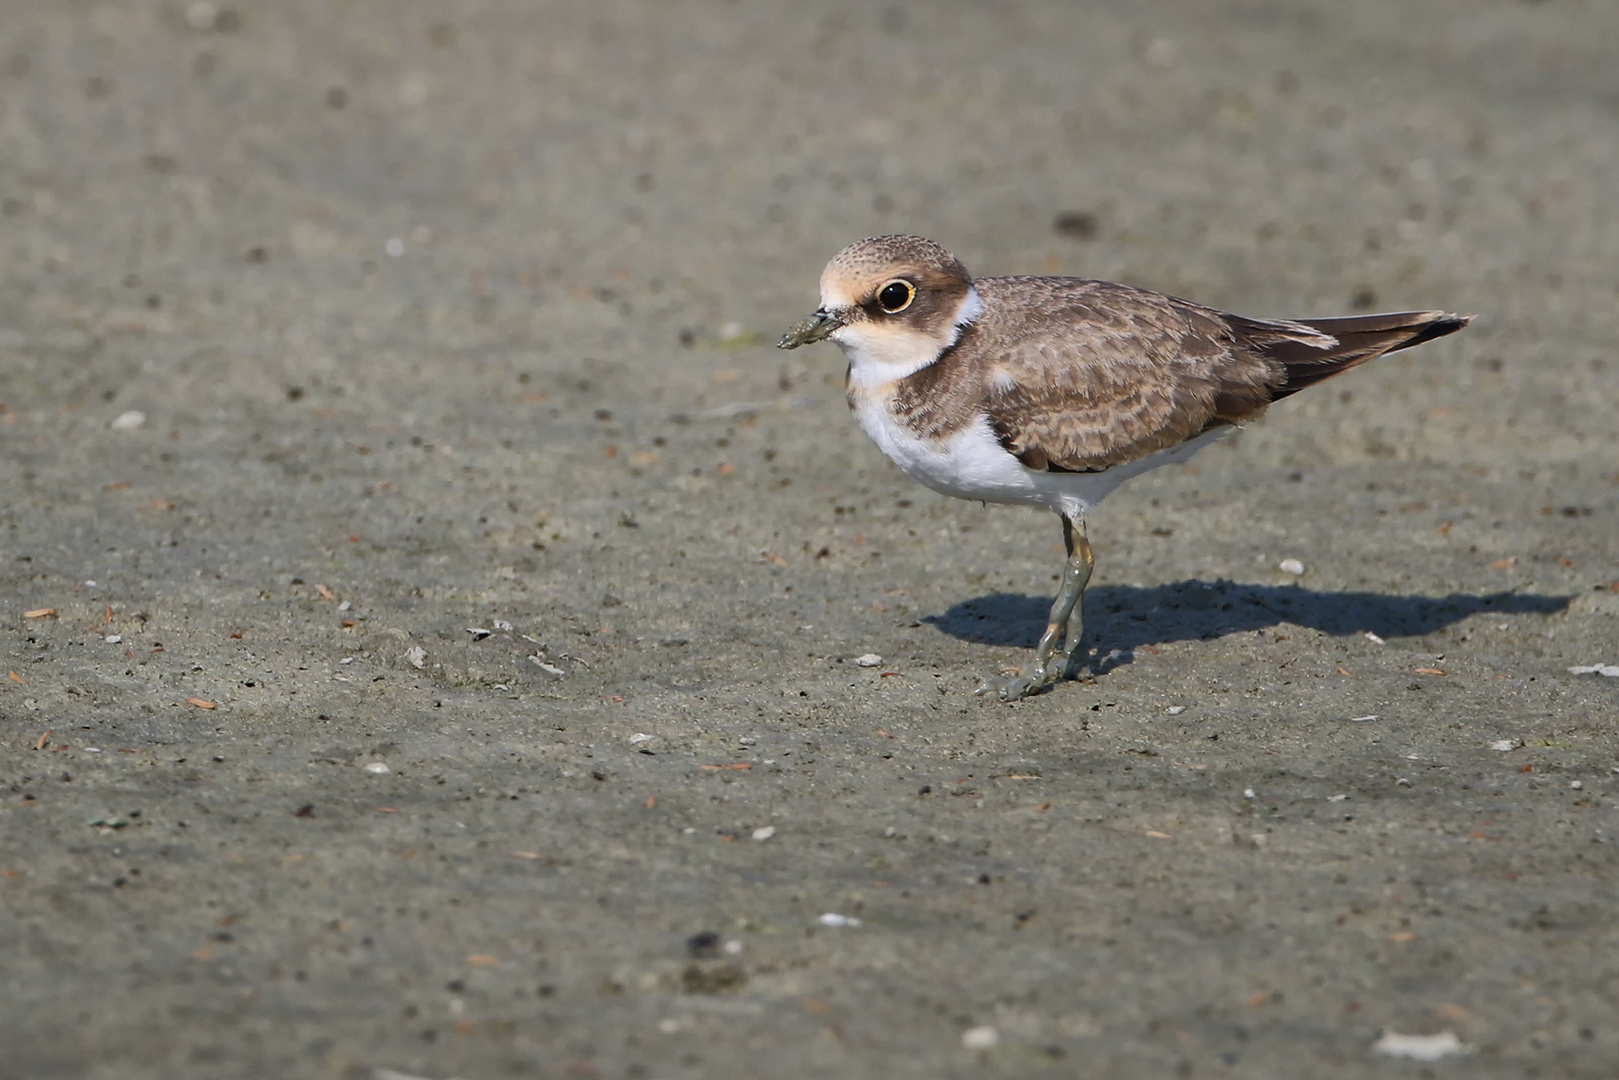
(896, 296)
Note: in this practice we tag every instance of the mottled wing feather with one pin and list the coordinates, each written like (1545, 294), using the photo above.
(1117, 373)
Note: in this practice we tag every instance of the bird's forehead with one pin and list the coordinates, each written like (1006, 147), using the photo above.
(846, 286)
(856, 272)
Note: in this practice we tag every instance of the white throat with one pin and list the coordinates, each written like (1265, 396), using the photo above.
(877, 356)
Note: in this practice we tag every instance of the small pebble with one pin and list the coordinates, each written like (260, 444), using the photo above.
(1418, 1047)
(1175, 710)
(1337, 798)
(1610, 671)
(1576, 785)
(113, 639)
(394, 247)
(1504, 745)
(980, 1038)
(1373, 638)
(378, 768)
(1362, 719)
(765, 833)
(1248, 793)
(870, 659)
(129, 421)
(832, 918)
(639, 737)
(1290, 566)
(416, 656)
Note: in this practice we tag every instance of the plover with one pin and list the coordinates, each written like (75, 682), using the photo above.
(1053, 391)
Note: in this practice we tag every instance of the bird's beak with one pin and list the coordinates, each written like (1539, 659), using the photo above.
(810, 330)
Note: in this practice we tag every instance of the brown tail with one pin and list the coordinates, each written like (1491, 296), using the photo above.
(1359, 338)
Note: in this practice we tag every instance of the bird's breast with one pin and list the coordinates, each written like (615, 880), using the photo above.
(967, 462)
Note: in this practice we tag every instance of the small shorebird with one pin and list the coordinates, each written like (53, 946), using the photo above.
(1053, 391)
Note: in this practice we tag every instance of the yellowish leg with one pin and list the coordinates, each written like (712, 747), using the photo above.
(1067, 621)
(1079, 546)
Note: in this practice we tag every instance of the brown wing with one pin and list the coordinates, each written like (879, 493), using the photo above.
(1112, 373)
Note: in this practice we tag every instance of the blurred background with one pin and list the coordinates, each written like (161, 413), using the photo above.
(527, 179)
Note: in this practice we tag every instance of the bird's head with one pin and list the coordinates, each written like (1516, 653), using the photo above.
(893, 304)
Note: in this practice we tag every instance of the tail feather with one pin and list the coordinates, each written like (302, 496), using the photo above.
(1348, 342)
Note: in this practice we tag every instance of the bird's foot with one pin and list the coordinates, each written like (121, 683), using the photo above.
(1021, 684)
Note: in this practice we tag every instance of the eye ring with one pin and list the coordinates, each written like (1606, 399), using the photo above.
(896, 296)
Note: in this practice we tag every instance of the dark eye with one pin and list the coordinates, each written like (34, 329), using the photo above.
(896, 296)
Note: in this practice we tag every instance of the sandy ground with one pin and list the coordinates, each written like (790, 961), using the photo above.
(332, 332)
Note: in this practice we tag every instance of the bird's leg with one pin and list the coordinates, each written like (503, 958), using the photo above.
(1079, 549)
(1067, 618)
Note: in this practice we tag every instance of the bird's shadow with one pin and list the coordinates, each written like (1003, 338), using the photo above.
(1121, 618)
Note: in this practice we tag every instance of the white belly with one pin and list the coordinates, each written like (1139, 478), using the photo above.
(973, 465)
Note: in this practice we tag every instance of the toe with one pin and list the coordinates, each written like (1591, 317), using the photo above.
(1016, 689)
